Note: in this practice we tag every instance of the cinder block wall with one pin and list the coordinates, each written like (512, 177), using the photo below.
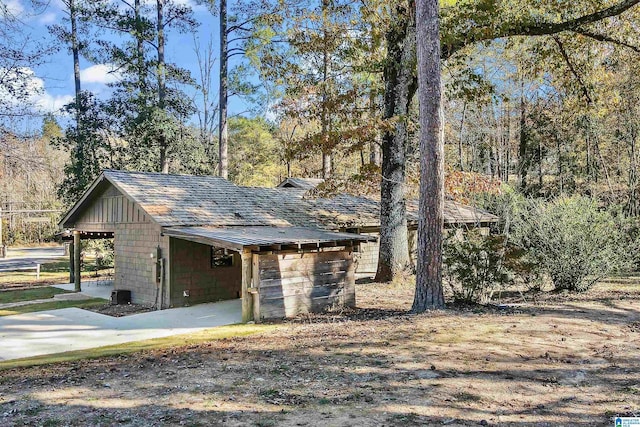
(191, 270)
(135, 270)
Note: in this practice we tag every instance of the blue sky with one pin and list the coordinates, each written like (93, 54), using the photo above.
(55, 76)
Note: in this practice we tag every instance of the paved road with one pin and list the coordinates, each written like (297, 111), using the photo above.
(57, 331)
(29, 257)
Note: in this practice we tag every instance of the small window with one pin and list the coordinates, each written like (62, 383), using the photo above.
(220, 258)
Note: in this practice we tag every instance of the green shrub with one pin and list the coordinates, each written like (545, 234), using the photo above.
(573, 241)
(475, 265)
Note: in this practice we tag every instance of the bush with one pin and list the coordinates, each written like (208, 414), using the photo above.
(572, 241)
(475, 266)
(103, 252)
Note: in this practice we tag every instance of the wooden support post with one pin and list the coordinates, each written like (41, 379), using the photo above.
(77, 248)
(255, 287)
(3, 248)
(247, 298)
(37, 271)
(72, 264)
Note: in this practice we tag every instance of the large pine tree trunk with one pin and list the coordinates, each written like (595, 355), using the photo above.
(161, 72)
(326, 151)
(223, 133)
(429, 263)
(400, 87)
(139, 36)
(75, 49)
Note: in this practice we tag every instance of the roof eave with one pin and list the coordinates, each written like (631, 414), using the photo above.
(67, 218)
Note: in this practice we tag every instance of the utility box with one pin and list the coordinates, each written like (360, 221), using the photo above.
(120, 296)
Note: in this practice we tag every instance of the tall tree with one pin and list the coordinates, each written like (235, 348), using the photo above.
(429, 263)
(223, 132)
(464, 24)
(400, 87)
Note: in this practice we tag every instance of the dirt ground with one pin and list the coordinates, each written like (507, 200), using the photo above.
(553, 361)
(120, 310)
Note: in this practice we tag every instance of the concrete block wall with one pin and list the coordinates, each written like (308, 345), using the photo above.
(135, 270)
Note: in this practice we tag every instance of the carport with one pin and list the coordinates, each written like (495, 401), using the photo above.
(277, 271)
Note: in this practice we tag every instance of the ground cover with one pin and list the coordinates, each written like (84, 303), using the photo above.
(554, 360)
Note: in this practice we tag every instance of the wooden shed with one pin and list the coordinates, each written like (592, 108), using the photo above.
(183, 239)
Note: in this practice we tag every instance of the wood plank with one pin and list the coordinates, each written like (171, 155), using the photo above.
(300, 281)
(307, 292)
(292, 307)
(323, 271)
(306, 257)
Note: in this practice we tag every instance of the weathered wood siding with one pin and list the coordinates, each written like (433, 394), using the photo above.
(109, 209)
(295, 283)
(192, 272)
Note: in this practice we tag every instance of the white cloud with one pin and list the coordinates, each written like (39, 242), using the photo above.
(13, 8)
(100, 74)
(48, 18)
(21, 88)
(51, 103)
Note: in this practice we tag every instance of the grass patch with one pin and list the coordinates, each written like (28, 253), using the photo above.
(218, 333)
(52, 272)
(53, 305)
(29, 294)
(467, 397)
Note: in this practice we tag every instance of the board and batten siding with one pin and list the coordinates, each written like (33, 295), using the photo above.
(111, 208)
(289, 284)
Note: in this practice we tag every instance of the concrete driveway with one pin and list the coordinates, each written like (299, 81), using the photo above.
(57, 331)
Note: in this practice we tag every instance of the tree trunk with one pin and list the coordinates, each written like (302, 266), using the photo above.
(223, 133)
(522, 146)
(374, 149)
(161, 71)
(75, 49)
(460, 138)
(139, 36)
(429, 294)
(326, 151)
(400, 87)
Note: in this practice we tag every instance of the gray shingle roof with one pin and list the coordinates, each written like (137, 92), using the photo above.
(183, 200)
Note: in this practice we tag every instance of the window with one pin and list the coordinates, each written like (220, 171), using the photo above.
(220, 258)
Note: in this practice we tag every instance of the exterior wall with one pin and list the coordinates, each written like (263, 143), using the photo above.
(135, 269)
(367, 258)
(191, 271)
(111, 208)
(135, 239)
(293, 283)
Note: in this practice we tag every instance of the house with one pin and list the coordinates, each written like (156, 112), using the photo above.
(361, 215)
(183, 239)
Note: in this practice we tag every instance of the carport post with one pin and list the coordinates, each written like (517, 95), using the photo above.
(77, 248)
(72, 263)
(247, 298)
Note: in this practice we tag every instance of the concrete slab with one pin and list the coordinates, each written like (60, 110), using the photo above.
(93, 289)
(57, 331)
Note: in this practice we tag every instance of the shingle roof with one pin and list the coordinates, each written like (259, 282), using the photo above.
(301, 183)
(345, 209)
(183, 200)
